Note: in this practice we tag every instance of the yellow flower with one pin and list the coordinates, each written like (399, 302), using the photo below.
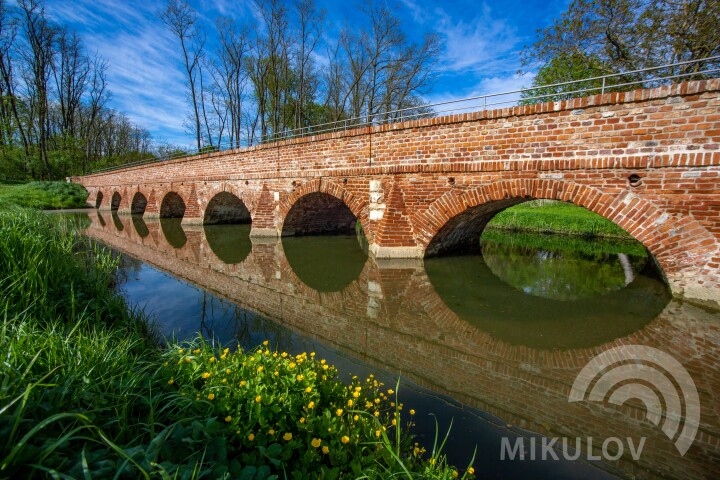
(471, 471)
(302, 419)
(300, 378)
(394, 422)
(312, 354)
(355, 418)
(416, 451)
(283, 354)
(180, 351)
(260, 369)
(258, 399)
(412, 412)
(377, 414)
(196, 351)
(211, 396)
(308, 390)
(226, 351)
(251, 437)
(356, 394)
(187, 359)
(455, 474)
(242, 383)
(228, 419)
(271, 431)
(277, 373)
(315, 442)
(345, 439)
(339, 412)
(368, 405)
(390, 392)
(311, 405)
(322, 362)
(287, 437)
(377, 433)
(227, 370)
(325, 449)
(212, 359)
(266, 342)
(325, 367)
(224, 380)
(377, 400)
(350, 403)
(206, 375)
(171, 381)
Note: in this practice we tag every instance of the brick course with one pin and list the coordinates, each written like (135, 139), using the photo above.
(427, 186)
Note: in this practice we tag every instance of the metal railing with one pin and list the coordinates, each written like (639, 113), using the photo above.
(644, 78)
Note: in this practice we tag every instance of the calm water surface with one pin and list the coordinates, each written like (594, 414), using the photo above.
(491, 342)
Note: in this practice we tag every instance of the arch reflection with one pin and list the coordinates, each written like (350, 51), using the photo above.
(140, 226)
(325, 263)
(230, 243)
(585, 313)
(173, 231)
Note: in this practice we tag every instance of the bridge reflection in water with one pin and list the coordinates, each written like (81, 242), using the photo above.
(471, 329)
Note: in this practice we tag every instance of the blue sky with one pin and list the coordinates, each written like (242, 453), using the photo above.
(481, 42)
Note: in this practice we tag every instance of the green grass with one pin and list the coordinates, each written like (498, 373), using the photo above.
(87, 391)
(547, 216)
(43, 195)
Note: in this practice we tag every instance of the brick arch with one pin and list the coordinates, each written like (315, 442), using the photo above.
(98, 198)
(680, 244)
(172, 204)
(225, 205)
(138, 204)
(115, 200)
(354, 203)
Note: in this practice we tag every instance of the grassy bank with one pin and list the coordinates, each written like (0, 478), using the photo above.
(43, 195)
(546, 216)
(88, 392)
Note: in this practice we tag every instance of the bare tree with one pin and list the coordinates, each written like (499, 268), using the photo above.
(181, 19)
(308, 35)
(71, 70)
(40, 35)
(230, 74)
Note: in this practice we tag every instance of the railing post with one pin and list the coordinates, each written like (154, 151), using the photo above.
(602, 91)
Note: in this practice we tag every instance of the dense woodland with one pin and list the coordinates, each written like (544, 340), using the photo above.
(283, 73)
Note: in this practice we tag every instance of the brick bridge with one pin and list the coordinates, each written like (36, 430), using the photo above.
(648, 160)
(393, 302)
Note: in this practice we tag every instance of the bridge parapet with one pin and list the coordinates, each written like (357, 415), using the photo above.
(649, 160)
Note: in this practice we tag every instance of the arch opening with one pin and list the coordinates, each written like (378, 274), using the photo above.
(319, 213)
(461, 234)
(139, 202)
(115, 201)
(172, 206)
(226, 208)
(98, 199)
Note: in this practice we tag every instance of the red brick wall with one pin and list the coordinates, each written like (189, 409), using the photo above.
(406, 182)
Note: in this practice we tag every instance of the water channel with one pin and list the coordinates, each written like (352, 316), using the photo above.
(491, 342)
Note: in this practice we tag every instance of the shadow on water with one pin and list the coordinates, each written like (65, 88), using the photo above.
(140, 226)
(230, 243)
(173, 231)
(545, 293)
(325, 263)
